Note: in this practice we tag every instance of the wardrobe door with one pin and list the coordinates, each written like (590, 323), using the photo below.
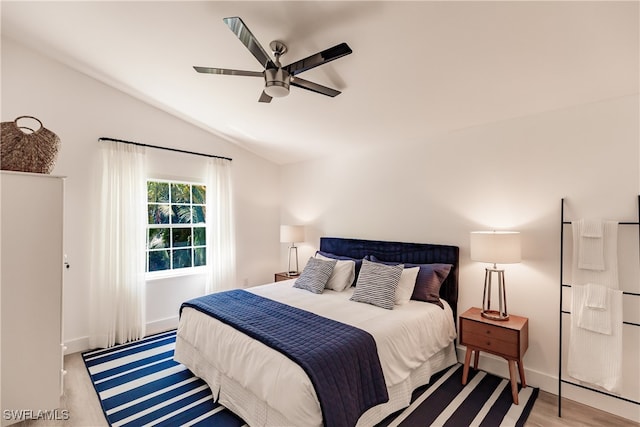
(31, 299)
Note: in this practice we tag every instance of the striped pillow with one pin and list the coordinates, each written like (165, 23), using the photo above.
(429, 280)
(315, 275)
(377, 284)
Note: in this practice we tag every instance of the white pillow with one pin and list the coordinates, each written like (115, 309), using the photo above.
(406, 285)
(343, 274)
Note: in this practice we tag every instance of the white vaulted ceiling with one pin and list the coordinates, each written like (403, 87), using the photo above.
(417, 69)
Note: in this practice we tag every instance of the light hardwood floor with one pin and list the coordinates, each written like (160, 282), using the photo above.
(81, 401)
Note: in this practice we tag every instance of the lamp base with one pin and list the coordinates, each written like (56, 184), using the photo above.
(293, 271)
(494, 315)
(487, 312)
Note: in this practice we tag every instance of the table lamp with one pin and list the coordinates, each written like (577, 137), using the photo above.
(496, 247)
(292, 234)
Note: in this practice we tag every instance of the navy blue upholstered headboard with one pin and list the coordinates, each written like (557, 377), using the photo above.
(416, 253)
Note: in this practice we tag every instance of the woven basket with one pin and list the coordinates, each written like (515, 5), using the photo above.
(26, 150)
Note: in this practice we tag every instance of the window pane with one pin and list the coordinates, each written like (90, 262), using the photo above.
(159, 260)
(159, 214)
(198, 214)
(158, 192)
(181, 237)
(199, 257)
(158, 238)
(182, 258)
(180, 193)
(199, 236)
(199, 194)
(180, 214)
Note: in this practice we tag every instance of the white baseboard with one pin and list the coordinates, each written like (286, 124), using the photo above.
(77, 345)
(81, 344)
(162, 325)
(549, 383)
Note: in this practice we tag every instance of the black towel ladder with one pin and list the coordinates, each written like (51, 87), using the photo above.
(561, 312)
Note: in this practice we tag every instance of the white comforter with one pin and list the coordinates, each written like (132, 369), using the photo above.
(405, 337)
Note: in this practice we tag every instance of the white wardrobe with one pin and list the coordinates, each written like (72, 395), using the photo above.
(31, 354)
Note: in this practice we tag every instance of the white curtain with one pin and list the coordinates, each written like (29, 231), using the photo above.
(221, 240)
(118, 267)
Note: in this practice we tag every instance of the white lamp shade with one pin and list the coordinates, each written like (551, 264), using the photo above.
(497, 247)
(291, 233)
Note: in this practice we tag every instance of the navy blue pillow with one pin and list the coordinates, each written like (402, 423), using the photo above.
(430, 278)
(344, 258)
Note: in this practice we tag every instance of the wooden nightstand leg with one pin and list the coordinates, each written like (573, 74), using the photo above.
(467, 360)
(475, 359)
(521, 372)
(514, 383)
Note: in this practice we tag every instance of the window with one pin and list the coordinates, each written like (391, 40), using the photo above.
(176, 228)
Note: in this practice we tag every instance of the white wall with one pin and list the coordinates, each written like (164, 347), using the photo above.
(506, 175)
(509, 174)
(79, 110)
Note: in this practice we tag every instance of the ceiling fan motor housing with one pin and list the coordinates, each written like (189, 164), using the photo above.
(276, 82)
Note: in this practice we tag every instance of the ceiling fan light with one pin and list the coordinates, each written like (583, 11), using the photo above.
(275, 90)
(276, 82)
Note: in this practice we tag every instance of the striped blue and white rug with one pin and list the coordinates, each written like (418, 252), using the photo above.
(140, 384)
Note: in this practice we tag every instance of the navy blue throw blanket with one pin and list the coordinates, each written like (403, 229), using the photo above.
(341, 360)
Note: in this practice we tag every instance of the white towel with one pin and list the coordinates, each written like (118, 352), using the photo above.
(591, 245)
(592, 313)
(596, 358)
(591, 228)
(596, 296)
(607, 277)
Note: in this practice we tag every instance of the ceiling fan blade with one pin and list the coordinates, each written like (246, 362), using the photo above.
(314, 87)
(247, 38)
(264, 98)
(225, 71)
(327, 55)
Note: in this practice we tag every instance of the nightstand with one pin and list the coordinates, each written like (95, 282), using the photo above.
(505, 338)
(284, 276)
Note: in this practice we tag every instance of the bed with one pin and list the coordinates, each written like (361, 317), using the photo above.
(264, 387)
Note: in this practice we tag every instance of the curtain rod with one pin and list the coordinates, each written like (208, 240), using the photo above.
(163, 148)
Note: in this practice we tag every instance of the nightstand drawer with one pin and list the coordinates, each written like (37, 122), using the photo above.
(507, 338)
(279, 277)
(491, 344)
(490, 331)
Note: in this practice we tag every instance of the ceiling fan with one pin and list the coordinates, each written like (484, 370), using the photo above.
(278, 78)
